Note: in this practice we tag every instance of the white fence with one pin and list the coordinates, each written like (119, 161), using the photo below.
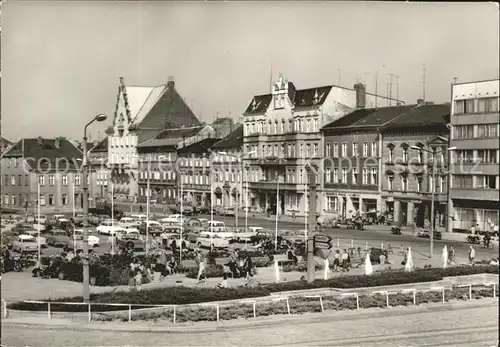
(217, 305)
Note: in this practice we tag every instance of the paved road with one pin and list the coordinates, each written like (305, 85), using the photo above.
(461, 324)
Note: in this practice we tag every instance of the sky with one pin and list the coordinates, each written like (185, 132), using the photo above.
(61, 61)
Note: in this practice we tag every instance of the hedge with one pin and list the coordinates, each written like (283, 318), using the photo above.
(298, 305)
(188, 295)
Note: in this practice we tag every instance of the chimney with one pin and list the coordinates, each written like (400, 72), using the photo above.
(360, 95)
(40, 140)
(420, 102)
(171, 82)
(57, 143)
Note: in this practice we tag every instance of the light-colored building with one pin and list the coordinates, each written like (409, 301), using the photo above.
(54, 164)
(98, 161)
(475, 174)
(226, 169)
(141, 114)
(283, 127)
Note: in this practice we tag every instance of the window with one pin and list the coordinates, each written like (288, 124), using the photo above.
(308, 126)
(354, 176)
(365, 149)
(64, 199)
(390, 182)
(315, 124)
(486, 182)
(301, 152)
(464, 131)
(6, 199)
(482, 130)
(493, 105)
(462, 181)
(365, 176)
(13, 199)
(419, 183)
(493, 130)
(469, 106)
(332, 203)
(65, 180)
(26, 180)
(404, 183)
(316, 150)
(5, 181)
(289, 150)
(374, 149)
(420, 156)
(20, 180)
(482, 105)
(328, 175)
(41, 180)
(354, 149)
(335, 150)
(328, 150)
(344, 175)
(336, 176)
(441, 184)
(13, 180)
(405, 155)
(51, 199)
(374, 178)
(488, 156)
(344, 149)
(466, 156)
(391, 155)
(51, 180)
(308, 150)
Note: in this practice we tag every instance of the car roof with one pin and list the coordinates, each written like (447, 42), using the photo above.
(26, 237)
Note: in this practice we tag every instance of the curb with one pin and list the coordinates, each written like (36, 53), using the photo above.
(261, 321)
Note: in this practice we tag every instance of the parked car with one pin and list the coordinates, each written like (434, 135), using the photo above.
(34, 233)
(427, 234)
(57, 238)
(173, 218)
(20, 228)
(245, 236)
(107, 228)
(131, 240)
(154, 227)
(261, 236)
(203, 209)
(207, 241)
(77, 242)
(93, 219)
(25, 243)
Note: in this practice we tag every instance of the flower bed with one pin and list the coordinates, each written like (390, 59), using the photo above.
(185, 295)
(297, 305)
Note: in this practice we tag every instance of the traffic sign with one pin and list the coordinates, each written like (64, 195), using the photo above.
(322, 238)
(322, 245)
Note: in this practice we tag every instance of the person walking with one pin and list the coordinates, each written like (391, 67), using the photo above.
(345, 261)
(201, 267)
(162, 262)
(248, 266)
(336, 260)
(451, 255)
(472, 254)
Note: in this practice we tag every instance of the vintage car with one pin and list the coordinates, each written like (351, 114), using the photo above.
(240, 235)
(35, 234)
(154, 228)
(217, 242)
(77, 242)
(108, 228)
(131, 240)
(57, 238)
(93, 219)
(25, 243)
(261, 236)
(427, 234)
(294, 237)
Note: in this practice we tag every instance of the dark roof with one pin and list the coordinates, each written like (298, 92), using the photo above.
(311, 97)
(233, 140)
(37, 149)
(4, 142)
(202, 146)
(170, 137)
(371, 117)
(259, 103)
(422, 116)
(101, 146)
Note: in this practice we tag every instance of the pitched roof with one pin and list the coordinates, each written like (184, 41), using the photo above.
(259, 103)
(142, 99)
(370, 117)
(170, 137)
(101, 146)
(311, 97)
(422, 116)
(44, 154)
(233, 140)
(202, 146)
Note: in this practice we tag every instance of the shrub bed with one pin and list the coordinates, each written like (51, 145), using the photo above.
(186, 295)
(298, 305)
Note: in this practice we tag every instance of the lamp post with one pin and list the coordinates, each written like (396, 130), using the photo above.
(433, 189)
(241, 185)
(85, 258)
(38, 226)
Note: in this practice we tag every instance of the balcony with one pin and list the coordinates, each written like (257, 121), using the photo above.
(474, 194)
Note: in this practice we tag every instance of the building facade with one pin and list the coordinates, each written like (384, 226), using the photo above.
(475, 174)
(283, 128)
(227, 170)
(194, 178)
(54, 165)
(141, 114)
(407, 173)
(98, 160)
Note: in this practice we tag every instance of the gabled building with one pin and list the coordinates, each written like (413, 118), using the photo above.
(54, 164)
(407, 173)
(4, 144)
(227, 170)
(352, 146)
(141, 114)
(158, 159)
(98, 161)
(283, 127)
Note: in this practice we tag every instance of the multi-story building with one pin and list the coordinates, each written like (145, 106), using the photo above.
(475, 174)
(194, 176)
(283, 127)
(53, 164)
(141, 114)
(226, 169)
(407, 173)
(352, 146)
(158, 159)
(98, 161)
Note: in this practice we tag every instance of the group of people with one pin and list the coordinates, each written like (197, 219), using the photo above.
(341, 261)
(164, 265)
(240, 266)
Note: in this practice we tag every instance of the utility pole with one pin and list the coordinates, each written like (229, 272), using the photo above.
(423, 81)
(390, 89)
(312, 224)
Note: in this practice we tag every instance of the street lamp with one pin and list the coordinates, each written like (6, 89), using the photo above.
(433, 188)
(85, 258)
(241, 185)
